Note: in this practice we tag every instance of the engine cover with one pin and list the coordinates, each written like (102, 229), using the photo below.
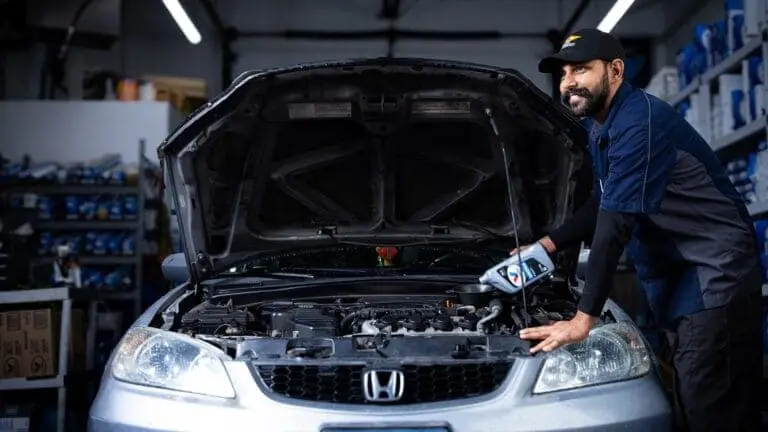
(303, 323)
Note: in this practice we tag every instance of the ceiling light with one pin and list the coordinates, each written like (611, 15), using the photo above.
(183, 21)
(614, 15)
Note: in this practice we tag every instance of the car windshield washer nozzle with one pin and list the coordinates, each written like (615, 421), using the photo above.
(520, 270)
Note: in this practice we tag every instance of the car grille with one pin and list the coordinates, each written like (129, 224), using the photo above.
(423, 383)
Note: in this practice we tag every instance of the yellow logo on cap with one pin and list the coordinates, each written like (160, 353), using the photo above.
(569, 41)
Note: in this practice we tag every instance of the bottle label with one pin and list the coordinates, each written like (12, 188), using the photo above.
(514, 275)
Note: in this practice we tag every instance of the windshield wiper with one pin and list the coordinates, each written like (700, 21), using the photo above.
(294, 272)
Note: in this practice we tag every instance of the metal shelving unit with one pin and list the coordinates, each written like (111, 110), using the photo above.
(136, 225)
(703, 86)
(57, 382)
(89, 295)
(66, 296)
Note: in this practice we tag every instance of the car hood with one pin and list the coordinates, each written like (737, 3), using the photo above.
(375, 151)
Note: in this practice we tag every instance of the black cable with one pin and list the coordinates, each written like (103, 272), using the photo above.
(54, 67)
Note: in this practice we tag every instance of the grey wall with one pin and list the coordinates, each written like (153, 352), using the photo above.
(152, 44)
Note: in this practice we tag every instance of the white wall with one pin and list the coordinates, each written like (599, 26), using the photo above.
(44, 129)
(151, 43)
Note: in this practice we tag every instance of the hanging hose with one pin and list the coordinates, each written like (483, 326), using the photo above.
(496, 307)
(54, 67)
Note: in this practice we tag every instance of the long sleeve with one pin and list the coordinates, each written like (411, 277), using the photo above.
(578, 228)
(612, 233)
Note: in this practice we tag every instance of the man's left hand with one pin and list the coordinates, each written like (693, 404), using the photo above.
(560, 333)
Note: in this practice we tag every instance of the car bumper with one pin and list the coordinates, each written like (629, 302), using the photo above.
(637, 405)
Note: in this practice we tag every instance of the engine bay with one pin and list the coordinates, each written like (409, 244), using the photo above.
(353, 316)
(318, 326)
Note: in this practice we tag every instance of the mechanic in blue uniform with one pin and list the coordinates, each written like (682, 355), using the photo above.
(662, 195)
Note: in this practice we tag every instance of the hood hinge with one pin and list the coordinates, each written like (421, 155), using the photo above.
(202, 267)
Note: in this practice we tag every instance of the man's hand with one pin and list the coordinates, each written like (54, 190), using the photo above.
(546, 242)
(560, 333)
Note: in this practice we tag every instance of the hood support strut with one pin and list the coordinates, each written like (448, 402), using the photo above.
(511, 200)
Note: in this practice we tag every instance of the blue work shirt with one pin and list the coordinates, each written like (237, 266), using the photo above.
(693, 242)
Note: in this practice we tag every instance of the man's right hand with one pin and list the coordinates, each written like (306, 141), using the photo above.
(545, 242)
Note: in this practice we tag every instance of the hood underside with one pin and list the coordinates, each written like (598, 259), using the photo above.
(381, 151)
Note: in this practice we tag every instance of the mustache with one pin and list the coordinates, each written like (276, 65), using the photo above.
(575, 92)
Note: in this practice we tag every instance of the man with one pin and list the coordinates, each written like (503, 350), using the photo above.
(663, 195)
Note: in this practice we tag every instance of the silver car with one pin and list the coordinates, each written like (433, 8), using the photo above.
(335, 218)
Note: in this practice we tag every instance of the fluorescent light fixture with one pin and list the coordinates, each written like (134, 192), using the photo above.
(614, 15)
(183, 21)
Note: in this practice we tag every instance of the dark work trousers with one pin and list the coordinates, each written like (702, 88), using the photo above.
(717, 355)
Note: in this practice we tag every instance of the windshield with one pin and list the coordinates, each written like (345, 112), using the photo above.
(356, 260)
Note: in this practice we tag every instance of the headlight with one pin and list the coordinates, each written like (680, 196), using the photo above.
(613, 352)
(158, 358)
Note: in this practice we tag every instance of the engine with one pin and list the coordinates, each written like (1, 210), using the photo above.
(413, 319)
(343, 317)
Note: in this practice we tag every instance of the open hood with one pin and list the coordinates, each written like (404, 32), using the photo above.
(379, 151)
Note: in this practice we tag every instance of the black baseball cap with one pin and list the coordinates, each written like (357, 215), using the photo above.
(584, 46)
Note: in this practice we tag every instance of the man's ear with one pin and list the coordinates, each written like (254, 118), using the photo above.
(617, 69)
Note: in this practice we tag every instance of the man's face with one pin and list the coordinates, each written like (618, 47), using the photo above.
(585, 87)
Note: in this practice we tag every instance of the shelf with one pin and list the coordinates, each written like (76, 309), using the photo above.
(30, 384)
(733, 61)
(34, 295)
(43, 295)
(54, 189)
(90, 294)
(81, 225)
(686, 92)
(739, 134)
(727, 65)
(92, 260)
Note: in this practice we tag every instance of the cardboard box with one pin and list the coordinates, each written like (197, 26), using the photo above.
(29, 343)
(184, 94)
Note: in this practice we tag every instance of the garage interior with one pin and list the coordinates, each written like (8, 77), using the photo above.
(90, 88)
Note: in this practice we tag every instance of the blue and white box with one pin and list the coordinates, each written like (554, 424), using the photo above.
(733, 104)
(734, 13)
(754, 19)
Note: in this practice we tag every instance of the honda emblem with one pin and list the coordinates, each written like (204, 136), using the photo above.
(383, 386)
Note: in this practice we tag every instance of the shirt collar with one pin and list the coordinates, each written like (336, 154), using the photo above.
(624, 90)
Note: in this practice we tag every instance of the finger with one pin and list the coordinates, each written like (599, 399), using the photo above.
(540, 331)
(541, 345)
(551, 345)
(535, 333)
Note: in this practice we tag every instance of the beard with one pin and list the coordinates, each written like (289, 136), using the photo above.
(593, 101)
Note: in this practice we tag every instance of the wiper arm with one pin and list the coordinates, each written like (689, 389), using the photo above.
(262, 271)
(330, 272)
(295, 272)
